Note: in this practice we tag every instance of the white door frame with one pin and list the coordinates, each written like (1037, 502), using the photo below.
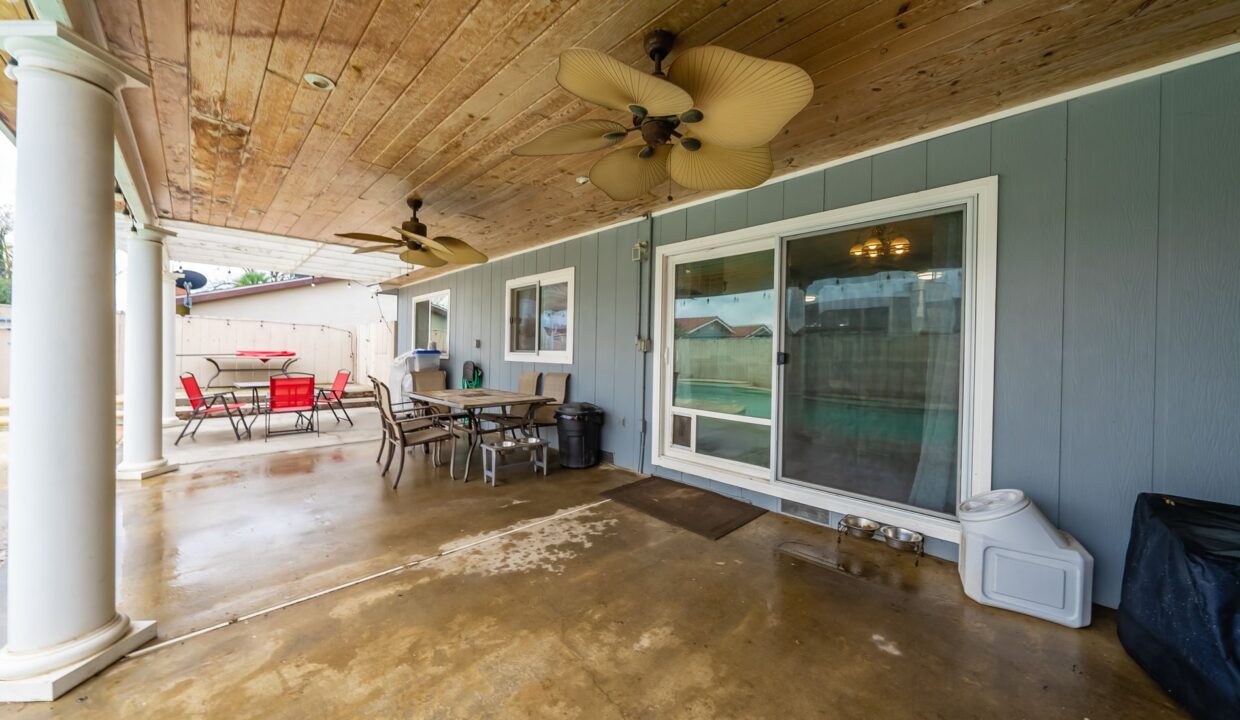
(980, 200)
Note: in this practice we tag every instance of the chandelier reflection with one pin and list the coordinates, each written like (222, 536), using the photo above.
(878, 244)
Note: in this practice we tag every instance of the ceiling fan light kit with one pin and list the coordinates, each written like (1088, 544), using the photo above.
(707, 126)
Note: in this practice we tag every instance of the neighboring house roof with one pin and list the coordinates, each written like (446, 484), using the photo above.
(224, 294)
(700, 326)
(691, 325)
(758, 330)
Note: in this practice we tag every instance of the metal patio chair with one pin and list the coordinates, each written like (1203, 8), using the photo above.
(419, 431)
(292, 393)
(333, 397)
(221, 404)
(555, 385)
(515, 417)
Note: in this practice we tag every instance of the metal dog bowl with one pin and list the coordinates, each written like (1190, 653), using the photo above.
(532, 440)
(508, 444)
(858, 526)
(902, 539)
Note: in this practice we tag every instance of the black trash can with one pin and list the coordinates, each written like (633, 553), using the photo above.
(580, 427)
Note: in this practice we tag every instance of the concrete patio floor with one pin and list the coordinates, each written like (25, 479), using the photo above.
(537, 598)
(215, 439)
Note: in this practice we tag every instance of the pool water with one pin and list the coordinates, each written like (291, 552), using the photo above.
(816, 415)
(727, 398)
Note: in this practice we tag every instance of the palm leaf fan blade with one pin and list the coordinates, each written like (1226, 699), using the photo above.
(714, 167)
(745, 101)
(603, 80)
(575, 137)
(422, 257)
(370, 237)
(624, 175)
(456, 251)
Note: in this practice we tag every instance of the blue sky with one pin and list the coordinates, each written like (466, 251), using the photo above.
(749, 308)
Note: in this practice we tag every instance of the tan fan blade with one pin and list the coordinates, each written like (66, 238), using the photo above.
(376, 248)
(422, 257)
(411, 235)
(745, 101)
(575, 137)
(369, 237)
(714, 167)
(455, 251)
(604, 80)
(625, 176)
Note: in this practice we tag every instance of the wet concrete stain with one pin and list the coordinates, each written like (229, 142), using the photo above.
(602, 613)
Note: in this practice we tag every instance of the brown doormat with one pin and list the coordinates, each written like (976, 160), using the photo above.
(699, 511)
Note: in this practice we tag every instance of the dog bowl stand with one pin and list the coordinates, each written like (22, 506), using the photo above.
(493, 451)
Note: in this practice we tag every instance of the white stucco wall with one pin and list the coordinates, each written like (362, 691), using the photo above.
(331, 302)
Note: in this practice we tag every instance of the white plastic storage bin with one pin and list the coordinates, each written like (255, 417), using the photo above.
(425, 360)
(1012, 557)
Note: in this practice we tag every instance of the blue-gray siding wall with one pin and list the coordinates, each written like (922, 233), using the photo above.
(1118, 319)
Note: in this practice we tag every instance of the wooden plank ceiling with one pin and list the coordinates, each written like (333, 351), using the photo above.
(431, 95)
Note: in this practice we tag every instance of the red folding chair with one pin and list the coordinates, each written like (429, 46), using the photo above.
(215, 405)
(333, 397)
(293, 393)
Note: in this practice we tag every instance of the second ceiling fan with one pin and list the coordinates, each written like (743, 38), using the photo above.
(419, 247)
(706, 126)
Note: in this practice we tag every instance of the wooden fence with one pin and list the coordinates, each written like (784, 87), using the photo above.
(321, 349)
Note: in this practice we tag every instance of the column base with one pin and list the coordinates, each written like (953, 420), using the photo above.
(51, 685)
(173, 421)
(142, 471)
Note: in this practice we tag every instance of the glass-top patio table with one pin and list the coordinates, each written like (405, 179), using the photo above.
(253, 386)
(473, 400)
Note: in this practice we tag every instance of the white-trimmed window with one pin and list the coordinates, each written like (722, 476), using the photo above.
(431, 321)
(843, 360)
(539, 310)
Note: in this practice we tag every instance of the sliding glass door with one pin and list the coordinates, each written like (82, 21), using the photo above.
(873, 336)
(843, 360)
(720, 329)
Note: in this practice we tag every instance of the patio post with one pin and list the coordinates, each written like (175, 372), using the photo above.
(63, 624)
(169, 302)
(143, 455)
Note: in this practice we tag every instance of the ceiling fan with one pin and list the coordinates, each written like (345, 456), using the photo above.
(706, 126)
(420, 249)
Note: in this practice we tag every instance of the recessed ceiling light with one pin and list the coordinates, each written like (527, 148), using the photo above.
(582, 179)
(319, 82)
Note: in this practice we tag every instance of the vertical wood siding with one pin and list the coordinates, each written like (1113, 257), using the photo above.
(1118, 318)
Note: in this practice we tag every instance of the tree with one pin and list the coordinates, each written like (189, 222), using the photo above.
(6, 255)
(253, 277)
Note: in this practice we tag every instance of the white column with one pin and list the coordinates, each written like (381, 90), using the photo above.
(170, 345)
(63, 625)
(143, 456)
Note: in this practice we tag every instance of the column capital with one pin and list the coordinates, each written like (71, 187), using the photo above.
(152, 233)
(51, 46)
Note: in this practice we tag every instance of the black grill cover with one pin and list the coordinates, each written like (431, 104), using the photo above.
(1179, 612)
